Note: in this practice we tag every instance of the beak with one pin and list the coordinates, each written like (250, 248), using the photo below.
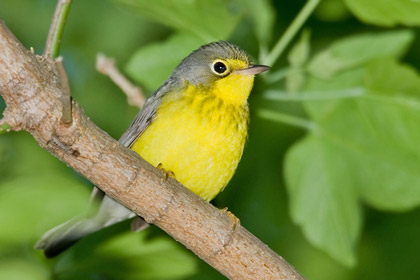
(252, 70)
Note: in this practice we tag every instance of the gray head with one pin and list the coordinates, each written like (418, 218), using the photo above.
(213, 62)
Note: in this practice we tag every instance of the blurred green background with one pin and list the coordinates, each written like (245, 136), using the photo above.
(330, 176)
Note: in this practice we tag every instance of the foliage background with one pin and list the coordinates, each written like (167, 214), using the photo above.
(334, 188)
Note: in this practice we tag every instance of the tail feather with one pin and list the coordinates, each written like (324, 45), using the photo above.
(60, 238)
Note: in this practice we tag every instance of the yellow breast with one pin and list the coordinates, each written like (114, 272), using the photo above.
(199, 137)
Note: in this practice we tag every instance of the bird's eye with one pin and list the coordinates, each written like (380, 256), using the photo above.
(219, 68)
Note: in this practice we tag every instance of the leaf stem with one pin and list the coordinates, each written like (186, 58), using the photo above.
(287, 119)
(52, 47)
(277, 95)
(291, 31)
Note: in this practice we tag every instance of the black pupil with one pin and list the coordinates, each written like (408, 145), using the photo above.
(219, 67)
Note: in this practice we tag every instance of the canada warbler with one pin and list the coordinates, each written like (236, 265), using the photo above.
(194, 126)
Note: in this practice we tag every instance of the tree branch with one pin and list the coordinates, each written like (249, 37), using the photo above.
(31, 87)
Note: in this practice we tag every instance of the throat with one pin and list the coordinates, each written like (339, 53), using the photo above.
(233, 89)
(214, 107)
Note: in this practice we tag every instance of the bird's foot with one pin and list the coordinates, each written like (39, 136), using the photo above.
(168, 173)
(235, 220)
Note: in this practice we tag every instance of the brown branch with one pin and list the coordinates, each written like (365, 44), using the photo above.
(30, 86)
(106, 66)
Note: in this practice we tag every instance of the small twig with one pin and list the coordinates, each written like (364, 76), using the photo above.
(52, 47)
(52, 50)
(65, 97)
(106, 66)
(291, 31)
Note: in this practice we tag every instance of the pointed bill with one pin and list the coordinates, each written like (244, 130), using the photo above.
(252, 70)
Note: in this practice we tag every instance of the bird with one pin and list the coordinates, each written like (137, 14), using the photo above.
(194, 127)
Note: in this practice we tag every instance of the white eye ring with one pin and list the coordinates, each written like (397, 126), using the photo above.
(220, 67)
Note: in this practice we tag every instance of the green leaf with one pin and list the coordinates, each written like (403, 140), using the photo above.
(358, 49)
(364, 147)
(391, 112)
(322, 197)
(386, 12)
(324, 95)
(153, 64)
(299, 53)
(389, 78)
(130, 254)
(380, 132)
(297, 58)
(207, 20)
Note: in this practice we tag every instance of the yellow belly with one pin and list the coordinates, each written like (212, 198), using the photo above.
(199, 139)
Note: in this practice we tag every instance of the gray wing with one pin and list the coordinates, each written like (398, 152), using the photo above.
(145, 116)
(140, 123)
